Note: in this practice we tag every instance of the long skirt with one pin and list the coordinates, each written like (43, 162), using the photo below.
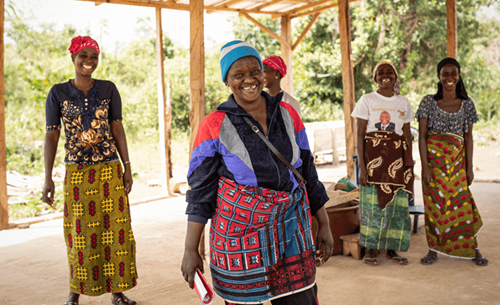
(99, 238)
(261, 244)
(452, 220)
(384, 229)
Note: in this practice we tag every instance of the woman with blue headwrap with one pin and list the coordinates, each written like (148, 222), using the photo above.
(248, 173)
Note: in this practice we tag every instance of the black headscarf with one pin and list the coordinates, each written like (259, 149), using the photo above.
(460, 88)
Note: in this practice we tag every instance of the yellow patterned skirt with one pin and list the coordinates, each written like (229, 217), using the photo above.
(99, 238)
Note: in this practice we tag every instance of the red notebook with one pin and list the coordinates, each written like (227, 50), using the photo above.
(203, 289)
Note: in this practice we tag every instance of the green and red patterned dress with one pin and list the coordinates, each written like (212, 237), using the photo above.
(452, 219)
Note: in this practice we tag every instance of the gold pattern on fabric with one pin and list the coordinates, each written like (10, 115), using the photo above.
(99, 239)
(373, 164)
(397, 144)
(394, 167)
(408, 175)
(386, 188)
(376, 142)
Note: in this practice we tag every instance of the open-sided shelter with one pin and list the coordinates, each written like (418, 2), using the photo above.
(285, 10)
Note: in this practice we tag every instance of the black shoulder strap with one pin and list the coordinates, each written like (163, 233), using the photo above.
(274, 150)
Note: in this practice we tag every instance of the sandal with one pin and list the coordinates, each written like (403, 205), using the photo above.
(121, 299)
(370, 261)
(70, 303)
(70, 300)
(481, 261)
(403, 261)
(428, 260)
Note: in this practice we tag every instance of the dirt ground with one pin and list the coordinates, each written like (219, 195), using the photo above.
(33, 265)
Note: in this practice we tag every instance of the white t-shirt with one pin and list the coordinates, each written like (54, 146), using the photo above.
(287, 98)
(384, 113)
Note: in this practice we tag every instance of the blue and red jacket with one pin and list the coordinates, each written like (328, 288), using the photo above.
(226, 146)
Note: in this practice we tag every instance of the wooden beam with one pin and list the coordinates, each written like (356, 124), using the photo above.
(451, 28)
(287, 53)
(185, 7)
(162, 110)
(266, 29)
(307, 6)
(306, 29)
(348, 84)
(197, 70)
(266, 4)
(316, 10)
(4, 205)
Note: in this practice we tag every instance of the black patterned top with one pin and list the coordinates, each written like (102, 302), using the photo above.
(86, 120)
(440, 121)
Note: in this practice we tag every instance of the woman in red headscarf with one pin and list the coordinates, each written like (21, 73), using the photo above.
(274, 71)
(99, 239)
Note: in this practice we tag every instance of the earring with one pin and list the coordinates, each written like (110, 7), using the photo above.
(276, 77)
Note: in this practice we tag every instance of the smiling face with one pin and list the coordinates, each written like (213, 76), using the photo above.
(246, 80)
(86, 61)
(385, 76)
(270, 76)
(385, 118)
(449, 77)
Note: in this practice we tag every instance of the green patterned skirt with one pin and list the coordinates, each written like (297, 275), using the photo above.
(99, 238)
(388, 229)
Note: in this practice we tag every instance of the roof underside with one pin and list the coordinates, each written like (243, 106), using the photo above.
(273, 8)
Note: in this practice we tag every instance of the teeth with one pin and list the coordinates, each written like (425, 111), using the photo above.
(87, 67)
(250, 88)
(386, 80)
(449, 84)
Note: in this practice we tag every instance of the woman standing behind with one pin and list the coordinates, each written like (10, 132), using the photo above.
(99, 239)
(274, 71)
(385, 166)
(446, 119)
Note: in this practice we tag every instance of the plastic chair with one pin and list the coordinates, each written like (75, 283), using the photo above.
(415, 210)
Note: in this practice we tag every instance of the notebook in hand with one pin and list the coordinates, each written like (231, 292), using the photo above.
(203, 289)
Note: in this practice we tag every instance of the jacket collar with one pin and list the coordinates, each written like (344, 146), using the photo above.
(230, 106)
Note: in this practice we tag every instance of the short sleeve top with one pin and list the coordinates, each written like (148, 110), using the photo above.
(440, 121)
(86, 120)
(384, 113)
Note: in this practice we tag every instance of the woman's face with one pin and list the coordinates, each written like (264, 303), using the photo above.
(86, 61)
(449, 77)
(385, 77)
(246, 79)
(270, 76)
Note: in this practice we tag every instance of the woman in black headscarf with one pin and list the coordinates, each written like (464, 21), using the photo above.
(446, 119)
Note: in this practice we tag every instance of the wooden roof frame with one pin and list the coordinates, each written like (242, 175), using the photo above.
(197, 70)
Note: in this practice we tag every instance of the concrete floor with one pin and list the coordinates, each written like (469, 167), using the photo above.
(33, 268)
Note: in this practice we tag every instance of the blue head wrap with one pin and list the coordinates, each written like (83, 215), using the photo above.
(234, 50)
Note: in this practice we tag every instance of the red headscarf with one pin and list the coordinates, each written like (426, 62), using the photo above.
(277, 63)
(81, 42)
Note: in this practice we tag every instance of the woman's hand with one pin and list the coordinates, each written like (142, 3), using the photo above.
(324, 243)
(426, 174)
(128, 181)
(470, 176)
(363, 176)
(48, 188)
(190, 262)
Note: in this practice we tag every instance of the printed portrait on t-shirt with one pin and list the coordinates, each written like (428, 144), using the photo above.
(385, 122)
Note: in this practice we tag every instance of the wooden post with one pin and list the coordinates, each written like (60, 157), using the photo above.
(287, 53)
(348, 84)
(168, 132)
(451, 28)
(162, 111)
(197, 70)
(4, 205)
(197, 76)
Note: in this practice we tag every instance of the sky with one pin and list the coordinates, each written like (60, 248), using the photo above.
(121, 21)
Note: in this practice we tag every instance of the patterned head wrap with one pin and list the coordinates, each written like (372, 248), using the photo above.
(277, 63)
(397, 84)
(460, 88)
(234, 50)
(81, 42)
